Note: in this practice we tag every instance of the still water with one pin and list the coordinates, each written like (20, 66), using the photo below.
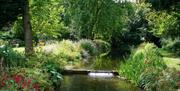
(87, 83)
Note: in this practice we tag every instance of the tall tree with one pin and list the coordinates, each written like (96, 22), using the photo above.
(100, 19)
(97, 19)
(45, 20)
(27, 29)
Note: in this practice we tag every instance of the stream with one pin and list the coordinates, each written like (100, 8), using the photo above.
(93, 83)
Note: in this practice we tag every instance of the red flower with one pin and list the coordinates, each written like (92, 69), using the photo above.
(29, 82)
(24, 84)
(3, 83)
(18, 79)
(4, 78)
(36, 86)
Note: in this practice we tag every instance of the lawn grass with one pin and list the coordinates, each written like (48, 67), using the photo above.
(19, 49)
(172, 62)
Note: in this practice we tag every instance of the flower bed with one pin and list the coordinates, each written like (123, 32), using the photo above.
(18, 83)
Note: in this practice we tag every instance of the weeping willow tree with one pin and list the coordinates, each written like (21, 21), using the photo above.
(97, 19)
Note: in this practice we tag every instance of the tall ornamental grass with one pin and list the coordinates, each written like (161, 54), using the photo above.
(143, 65)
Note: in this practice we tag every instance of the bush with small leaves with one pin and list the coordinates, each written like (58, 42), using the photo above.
(89, 46)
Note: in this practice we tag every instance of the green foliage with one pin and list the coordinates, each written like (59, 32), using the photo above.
(166, 80)
(103, 47)
(145, 60)
(172, 45)
(17, 29)
(6, 35)
(2, 42)
(120, 24)
(88, 46)
(45, 20)
(44, 68)
(136, 29)
(39, 75)
(162, 23)
(10, 57)
(101, 63)
(68, 51)
(17, 82)
(101, 19)
(41, 59)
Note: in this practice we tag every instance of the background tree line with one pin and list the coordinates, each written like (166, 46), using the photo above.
(122, 24)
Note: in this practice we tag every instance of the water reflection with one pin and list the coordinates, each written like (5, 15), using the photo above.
(86, 83)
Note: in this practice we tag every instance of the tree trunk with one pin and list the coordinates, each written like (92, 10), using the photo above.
(27, 29)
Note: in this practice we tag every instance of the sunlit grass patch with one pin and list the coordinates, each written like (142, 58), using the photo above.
(19, 49)
(172, 62)
(22, 49)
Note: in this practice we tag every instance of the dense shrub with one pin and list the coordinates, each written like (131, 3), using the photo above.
(166, 80)
(65, 50)
(18, 83)
(172, 45)
(44, 68)
(18, 29)
(6, 35)
(11, 57)
(103, 47)
(84, 49)
(88, 46)
(143, 65)
(68, 51)
(34, 67)
(41, 76)
(162, 23)
(2, 42)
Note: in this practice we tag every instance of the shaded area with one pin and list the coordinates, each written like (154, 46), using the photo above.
(9, 10)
